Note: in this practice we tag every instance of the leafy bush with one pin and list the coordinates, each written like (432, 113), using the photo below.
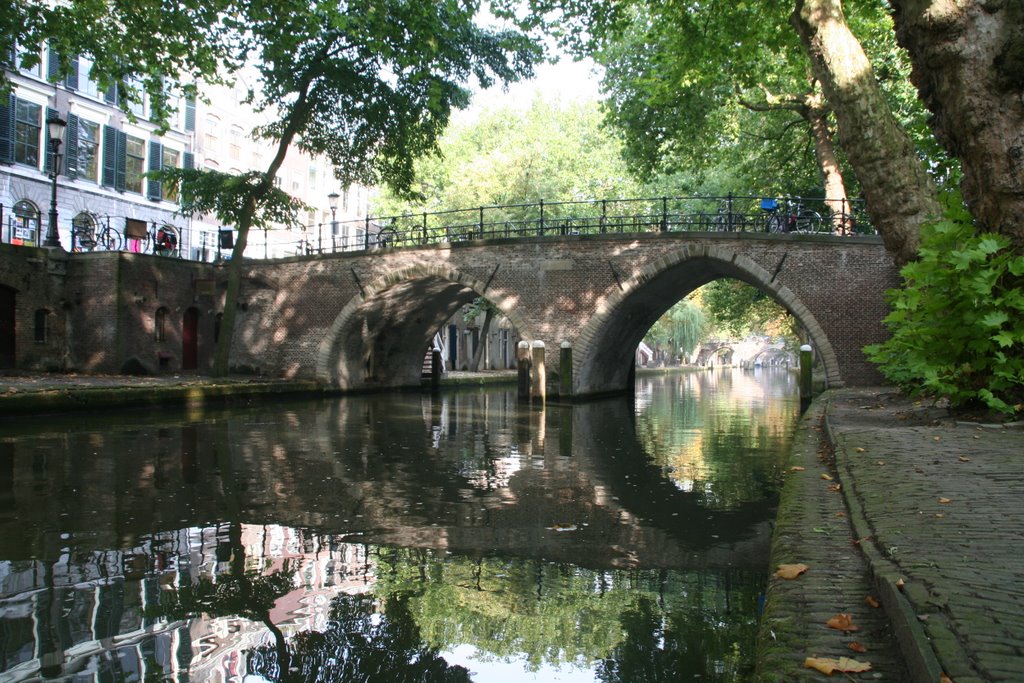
(958, 322)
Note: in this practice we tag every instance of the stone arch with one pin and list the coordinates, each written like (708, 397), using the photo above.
(379, 337)
(605, 346)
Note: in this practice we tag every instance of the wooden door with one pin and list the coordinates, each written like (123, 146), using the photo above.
(190, 340)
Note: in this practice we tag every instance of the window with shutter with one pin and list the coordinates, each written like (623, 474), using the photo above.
(28, 128)
(134, 163)
(88, 155)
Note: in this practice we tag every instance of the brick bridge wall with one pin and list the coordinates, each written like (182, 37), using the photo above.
(363, 320)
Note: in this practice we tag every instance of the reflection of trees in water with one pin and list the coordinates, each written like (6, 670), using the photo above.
(556, 614)
(720, 443)
(359, 644)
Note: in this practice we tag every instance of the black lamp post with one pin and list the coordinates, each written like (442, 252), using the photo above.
(332, 200)
(55, 127)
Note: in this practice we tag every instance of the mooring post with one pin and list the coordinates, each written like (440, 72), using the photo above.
(805, 373)
(523, 361)
(435, 369)
(538, 378)
(565, 370)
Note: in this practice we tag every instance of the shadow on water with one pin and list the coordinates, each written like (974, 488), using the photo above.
(454, 533)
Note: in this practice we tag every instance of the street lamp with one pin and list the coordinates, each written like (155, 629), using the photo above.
(332, 200)
(55, 127)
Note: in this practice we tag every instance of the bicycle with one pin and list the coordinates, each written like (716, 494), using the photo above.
(167, 241)
(795, 218)
(86, 237)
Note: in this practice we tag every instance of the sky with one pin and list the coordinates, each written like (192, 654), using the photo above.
(566, 80)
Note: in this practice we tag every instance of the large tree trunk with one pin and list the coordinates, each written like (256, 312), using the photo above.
(825, 154)
(968, 66)
(897, 190)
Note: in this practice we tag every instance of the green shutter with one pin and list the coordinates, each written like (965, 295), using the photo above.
(45, 151)
(120, 161)
(156, 160)
(71, 82)
(71, 148)
(109, 156)
(188, 160)
(7, 129)
(52, 65)
(190, 114)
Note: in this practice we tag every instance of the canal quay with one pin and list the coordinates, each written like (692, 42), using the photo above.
(906, 521)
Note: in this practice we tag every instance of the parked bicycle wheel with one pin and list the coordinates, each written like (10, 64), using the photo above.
(842, 223)
(776, 223)
(808, 221)
(108, 239)
(167, 241)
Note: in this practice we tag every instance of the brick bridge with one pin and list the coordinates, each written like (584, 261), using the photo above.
(362, 321)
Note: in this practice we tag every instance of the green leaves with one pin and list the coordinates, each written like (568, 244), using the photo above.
(958, 324)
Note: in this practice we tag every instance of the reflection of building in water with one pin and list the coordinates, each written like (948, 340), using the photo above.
(95, 614)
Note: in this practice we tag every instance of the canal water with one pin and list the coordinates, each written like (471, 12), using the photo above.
(409, 537)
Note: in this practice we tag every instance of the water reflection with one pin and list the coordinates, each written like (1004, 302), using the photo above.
(421, 538)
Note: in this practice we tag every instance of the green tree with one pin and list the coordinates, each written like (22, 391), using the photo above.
(369, 85)
(898, 191)
(719, 84)
(141, 47)
(735, 309)
(510, 155)
(956, 325)
(678, 331)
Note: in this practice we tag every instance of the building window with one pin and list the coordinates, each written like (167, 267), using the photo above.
(88, 150)
(87, 86)
(160, 324)
(235, 144)
(36, 69)
(171, 159)
(211, 133)
(134, 163)
(26, 222)
(27, 128)
(42, 326)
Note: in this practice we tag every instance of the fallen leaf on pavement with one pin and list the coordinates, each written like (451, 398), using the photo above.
(900, 583)
(857, 647)
(790, 571)
(827, 665)
(826, 477)
(842, 622)
(945, 501)
(873, 601)
(834, 488)
(880, 462)
(859, 449)
(964, 458)
(944, 678)
(796, 468)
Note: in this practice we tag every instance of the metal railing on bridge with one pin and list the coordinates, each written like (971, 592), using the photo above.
(729, 213)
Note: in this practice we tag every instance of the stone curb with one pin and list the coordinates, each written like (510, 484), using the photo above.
(76, 399)
(914, 645)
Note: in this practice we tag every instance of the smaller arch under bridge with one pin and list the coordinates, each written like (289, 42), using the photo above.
(363, 320)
